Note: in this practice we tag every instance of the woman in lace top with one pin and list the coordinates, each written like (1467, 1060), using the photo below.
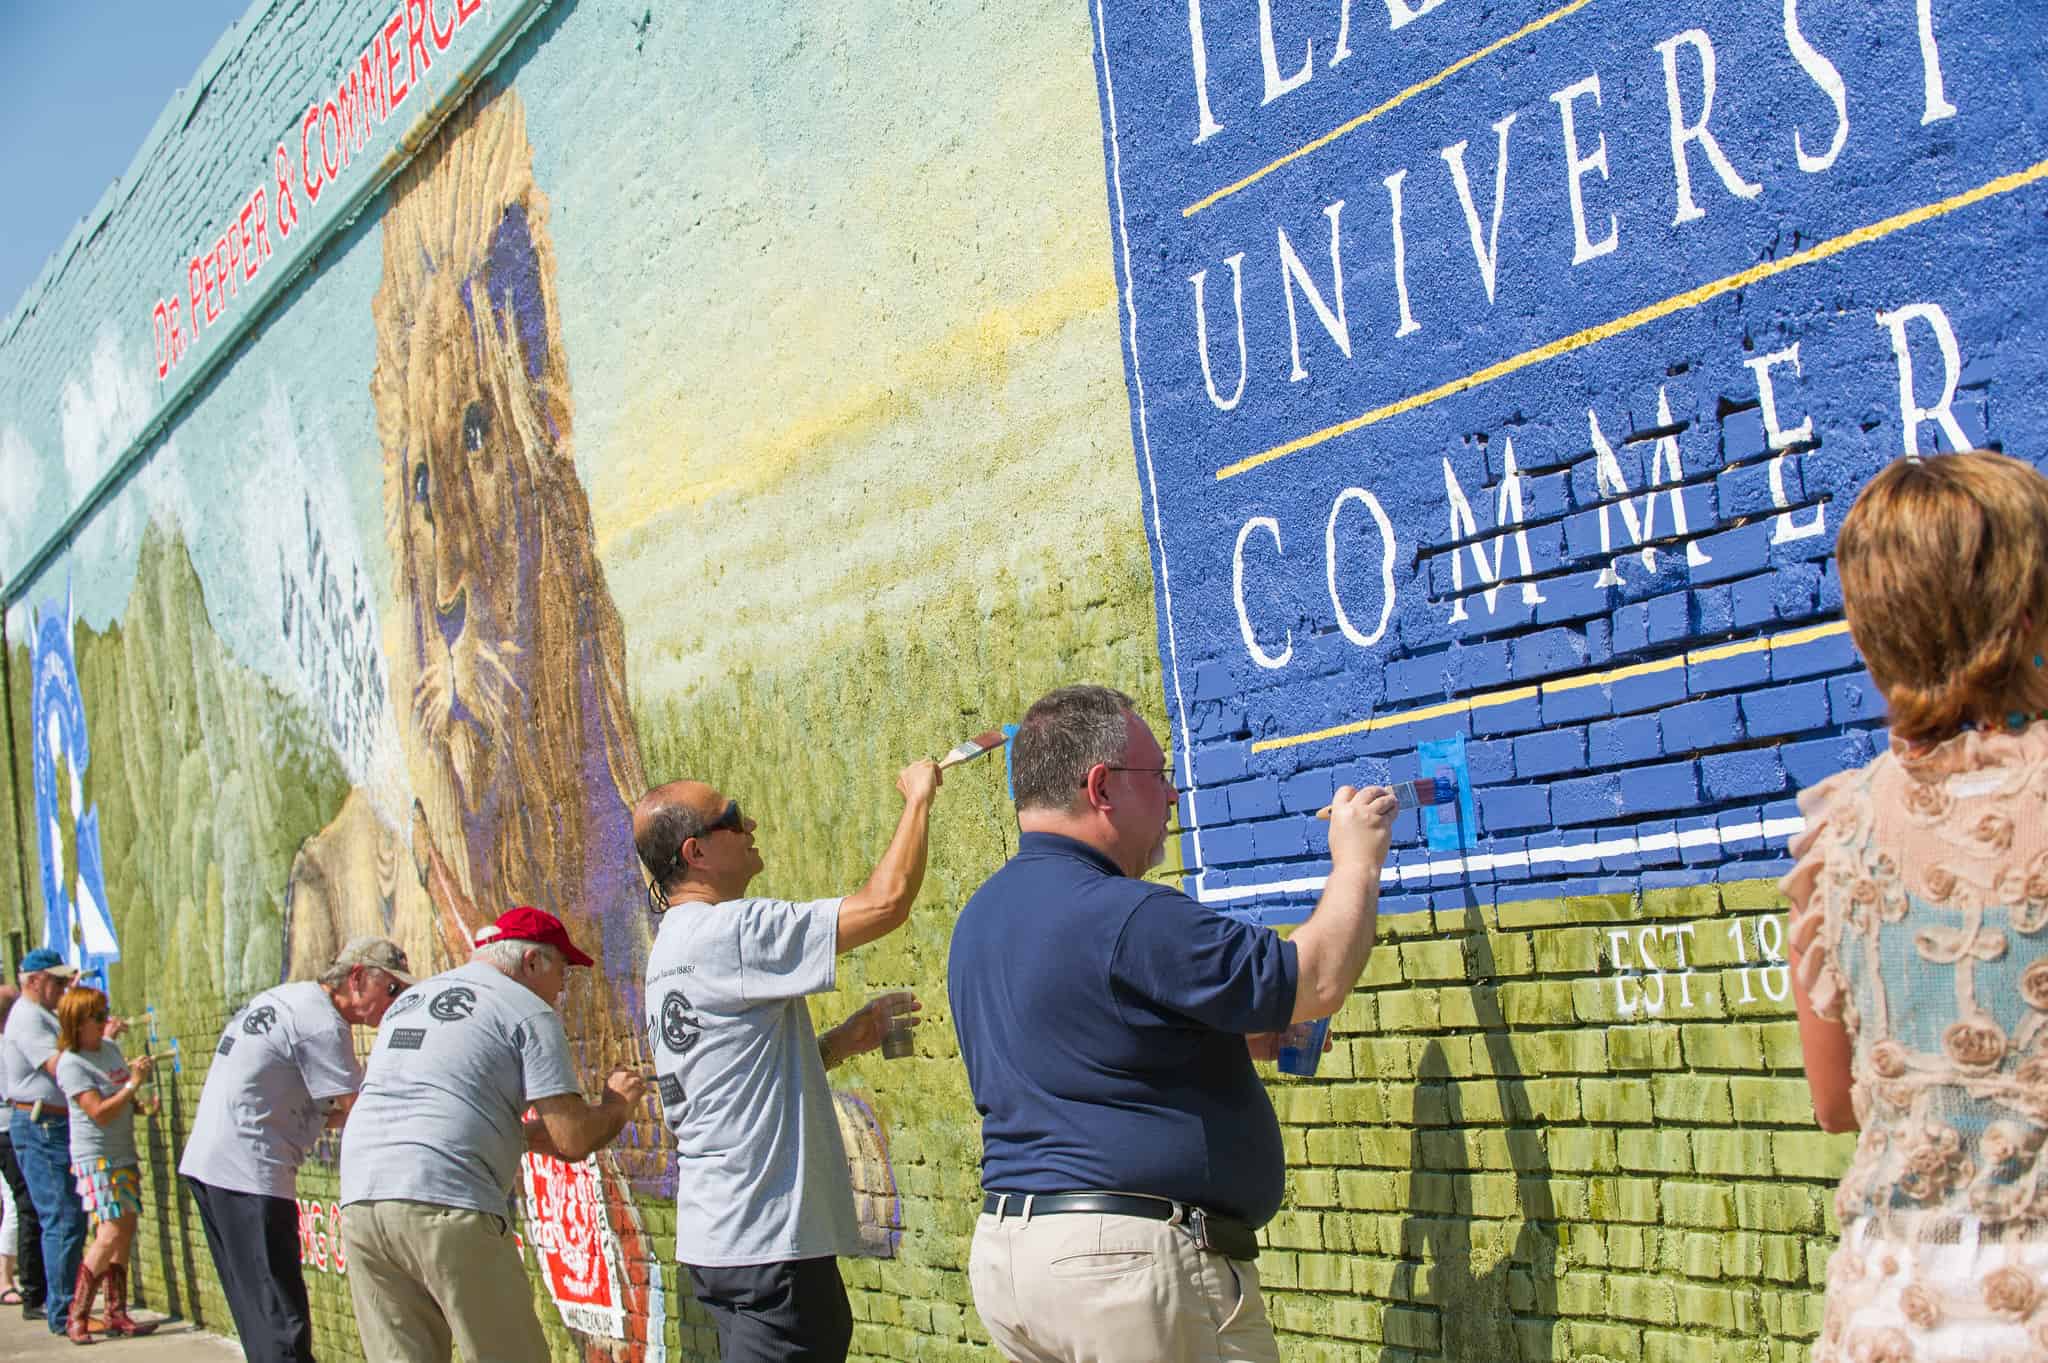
(1919, 903)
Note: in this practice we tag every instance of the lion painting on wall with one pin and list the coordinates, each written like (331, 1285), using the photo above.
(506, 652)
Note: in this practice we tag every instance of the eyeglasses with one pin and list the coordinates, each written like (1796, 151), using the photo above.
(1165, 774)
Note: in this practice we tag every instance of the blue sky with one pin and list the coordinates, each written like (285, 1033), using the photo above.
(85, 83)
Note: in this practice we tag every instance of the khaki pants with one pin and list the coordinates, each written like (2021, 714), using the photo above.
(1083, 1288)
(425, 1277)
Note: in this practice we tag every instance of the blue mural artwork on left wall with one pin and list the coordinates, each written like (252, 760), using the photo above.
(76, 917)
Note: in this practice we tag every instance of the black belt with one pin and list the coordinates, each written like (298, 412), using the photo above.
(1218, 1234)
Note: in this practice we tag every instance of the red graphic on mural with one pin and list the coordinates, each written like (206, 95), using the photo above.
(579, 1256)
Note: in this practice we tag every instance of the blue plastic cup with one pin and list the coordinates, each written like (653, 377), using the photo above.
(1301, 1047)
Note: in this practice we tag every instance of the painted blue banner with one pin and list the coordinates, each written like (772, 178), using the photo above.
(1505, 370)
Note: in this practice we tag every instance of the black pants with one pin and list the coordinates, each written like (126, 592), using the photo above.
(793, 1312)
(28, 1256)
(254, 1240)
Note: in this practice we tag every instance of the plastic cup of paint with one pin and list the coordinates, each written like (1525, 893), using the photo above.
(1301, 1047)
(900, 1040)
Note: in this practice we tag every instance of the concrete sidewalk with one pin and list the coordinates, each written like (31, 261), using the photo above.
(177, 1341)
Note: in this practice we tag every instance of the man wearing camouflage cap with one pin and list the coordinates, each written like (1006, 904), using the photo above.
(285, 1070)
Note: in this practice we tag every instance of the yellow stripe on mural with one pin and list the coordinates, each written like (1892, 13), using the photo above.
(1680, 302)
(1789, 639)
(1396, 102)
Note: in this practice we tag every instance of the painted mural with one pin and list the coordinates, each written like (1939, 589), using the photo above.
(583, 395)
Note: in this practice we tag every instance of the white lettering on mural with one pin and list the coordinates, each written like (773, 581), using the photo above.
(1269, 58)
(1639, 515)
(1199, 279)
(1823, 73)
(1911, 414)
(1293, 272)
(1655, 968)
(1487, 253)
(1408, 322)
(1386, 529)
(1244, 619)
(1683, 132)
(1785, 528)
(1576, 167)
(1206, 125)
(1507, 510)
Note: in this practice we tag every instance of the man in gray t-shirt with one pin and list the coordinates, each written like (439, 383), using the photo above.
(284, 1071)
(431, 1154)
(763, 1206)
(40, 1124)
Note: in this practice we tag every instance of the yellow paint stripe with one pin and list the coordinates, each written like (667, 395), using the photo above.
(1691, 298)
(1789, 639)
(1396, 102)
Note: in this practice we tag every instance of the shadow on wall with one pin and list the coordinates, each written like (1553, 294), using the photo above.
(171, 1207)
(1507, 1309)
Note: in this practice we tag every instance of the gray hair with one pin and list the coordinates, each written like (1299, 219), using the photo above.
(336, 975)
(507, 955)
(1063, 735)
(661, 838)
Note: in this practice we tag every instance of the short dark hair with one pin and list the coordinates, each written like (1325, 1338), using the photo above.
(660, 840)
(1064, 734)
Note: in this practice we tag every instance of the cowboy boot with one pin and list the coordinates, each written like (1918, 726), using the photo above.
(119, 1322)
(79, 1328)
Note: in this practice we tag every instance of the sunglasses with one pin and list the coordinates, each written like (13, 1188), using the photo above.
(732, 819)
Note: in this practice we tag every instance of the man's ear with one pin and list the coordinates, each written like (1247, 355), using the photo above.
(1096, 787)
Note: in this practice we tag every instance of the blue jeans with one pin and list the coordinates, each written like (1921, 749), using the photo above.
(43, 1148)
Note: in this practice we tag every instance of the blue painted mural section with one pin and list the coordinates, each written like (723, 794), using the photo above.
(1504, 372)
(76, 918)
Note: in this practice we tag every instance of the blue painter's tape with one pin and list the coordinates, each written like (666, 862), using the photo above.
(1009, 771)
(1454, 826)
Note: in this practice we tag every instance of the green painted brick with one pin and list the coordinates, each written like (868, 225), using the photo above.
(1615, 1100)
(1574, 1051)
(1408, 1010)
(1566, 951)
(1621, 1199)
(1583, 1149)
(1331, 1145)
(1698, 1254)
(1709, 1205)
(1782, 1050)
(1732, 1153)
(1751, 896)
(1501, 953)
(1812, 1154)
(1788, 1207)
(1529, 913)
(1632, 1247)
(1641, 1299)
(1411, 1328)
(1621, 1344)
(1779, 1101)
(1433, 960)
(1645, 1046)
(1690, 1098)
(1784, 1258)
(1724, 1046)
(1535, 1004)
(1382, 968)
(1400, 925)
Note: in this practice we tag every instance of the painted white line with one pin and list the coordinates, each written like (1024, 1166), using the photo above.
(1767, 830)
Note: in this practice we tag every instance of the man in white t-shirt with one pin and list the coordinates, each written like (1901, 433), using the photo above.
(431, 1155)
(763, 1204)
(285, 1070)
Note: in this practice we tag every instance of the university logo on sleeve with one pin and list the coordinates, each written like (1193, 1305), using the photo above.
(259, 1021)
(407, 1001)
(679, 1026)
(453, 1004)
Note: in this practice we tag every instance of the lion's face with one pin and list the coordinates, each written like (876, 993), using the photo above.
(469, 525)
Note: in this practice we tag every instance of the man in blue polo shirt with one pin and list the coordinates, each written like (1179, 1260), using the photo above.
(1108, 1025)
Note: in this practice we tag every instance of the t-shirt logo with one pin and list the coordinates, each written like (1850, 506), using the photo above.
(259, 1021)
(408, 1038)
(671, 1091)
(679, 1026)
(407, 1001)
(227, 1043)
(453, 1004)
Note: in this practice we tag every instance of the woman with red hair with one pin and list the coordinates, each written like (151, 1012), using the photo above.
(103, 1087)
(1919, 924)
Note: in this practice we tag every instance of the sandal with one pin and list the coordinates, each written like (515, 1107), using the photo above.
(10, 1297)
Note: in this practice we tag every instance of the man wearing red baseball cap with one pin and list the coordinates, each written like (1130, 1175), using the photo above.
(431, 1151)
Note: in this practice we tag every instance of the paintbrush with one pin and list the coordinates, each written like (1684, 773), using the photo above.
(977, 746)
(1430, 790)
